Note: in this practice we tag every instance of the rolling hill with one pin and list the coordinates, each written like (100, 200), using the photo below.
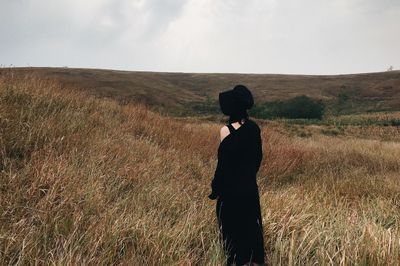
(186, 93)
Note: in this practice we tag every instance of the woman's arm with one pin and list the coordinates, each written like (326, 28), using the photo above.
(258, 150)
(216, 183)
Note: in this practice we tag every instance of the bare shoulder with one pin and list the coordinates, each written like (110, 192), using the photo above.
(224, 131)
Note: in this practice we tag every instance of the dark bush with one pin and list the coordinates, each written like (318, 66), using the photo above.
(297, 107)
(302, 107)
(209, 106)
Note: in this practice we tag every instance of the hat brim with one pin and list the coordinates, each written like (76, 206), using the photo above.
(227, 102)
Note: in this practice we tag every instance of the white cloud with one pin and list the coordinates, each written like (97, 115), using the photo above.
(260, 36)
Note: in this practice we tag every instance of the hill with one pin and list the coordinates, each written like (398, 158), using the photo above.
(195, 93)
(88, 181)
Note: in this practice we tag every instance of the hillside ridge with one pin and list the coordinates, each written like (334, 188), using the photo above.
(375, 91)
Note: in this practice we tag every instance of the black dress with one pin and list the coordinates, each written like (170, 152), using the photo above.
(238, 205)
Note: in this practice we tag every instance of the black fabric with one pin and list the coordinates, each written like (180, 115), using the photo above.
(235, 187)
(231, 128)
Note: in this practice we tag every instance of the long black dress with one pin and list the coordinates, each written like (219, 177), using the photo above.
(238, 205)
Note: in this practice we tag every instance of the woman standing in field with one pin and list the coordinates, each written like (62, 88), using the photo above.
(234, 184)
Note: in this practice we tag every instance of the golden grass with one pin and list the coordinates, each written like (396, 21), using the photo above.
(89, 181)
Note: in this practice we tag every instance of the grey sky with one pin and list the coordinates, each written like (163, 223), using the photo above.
(252, 36)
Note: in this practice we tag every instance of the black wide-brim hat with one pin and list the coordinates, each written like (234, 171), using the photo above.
(235, 100)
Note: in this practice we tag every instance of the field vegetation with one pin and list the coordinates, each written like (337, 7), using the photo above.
(191, 94)
(93, 181)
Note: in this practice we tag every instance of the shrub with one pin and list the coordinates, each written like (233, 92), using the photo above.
(209, 106)
(302, 107)
(297, 107)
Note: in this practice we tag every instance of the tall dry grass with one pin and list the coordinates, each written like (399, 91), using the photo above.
(89, 181)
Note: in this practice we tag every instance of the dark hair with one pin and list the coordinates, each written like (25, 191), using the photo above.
(238, 116)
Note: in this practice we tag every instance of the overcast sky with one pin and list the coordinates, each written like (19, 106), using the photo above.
(241, 36)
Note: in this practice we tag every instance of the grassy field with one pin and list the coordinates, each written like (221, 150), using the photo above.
(90, 181)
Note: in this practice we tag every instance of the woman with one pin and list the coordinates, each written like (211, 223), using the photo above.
(234, 183)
